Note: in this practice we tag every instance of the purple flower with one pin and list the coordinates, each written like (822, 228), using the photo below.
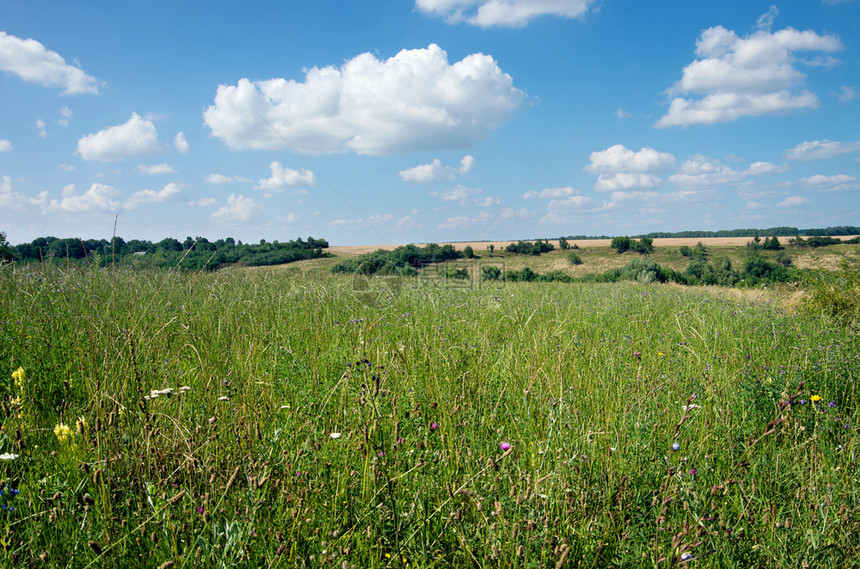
(434, 426)
(693, 472)
(504, 446)
(832, 404)
(200, 509)
(676, 446)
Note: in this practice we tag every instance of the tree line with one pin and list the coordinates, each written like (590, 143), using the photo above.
(194, 253)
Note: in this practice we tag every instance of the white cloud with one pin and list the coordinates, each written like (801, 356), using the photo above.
(66, 167)
(168, 192)
(218, 178)
(622, 114)
(10, 200)
(821, 150)
(137, 137)
(425, 173)
(40, 126)
(66, 114)
(203, 202)
(837, 183)
(436, 172)
(5, 145)
(155, 168)
(32, 61)
(618, 158)
(98, 198)
(624, 181)
(285, 178)
(466, 196)
(620, 168)
(700, 171)
(793, 201)
(508, 13)
(639, 197)
(551, 193)
(467, 163)
(413, 101)
(238, 209)
(745, 76)
(180, 144)
(572, 202)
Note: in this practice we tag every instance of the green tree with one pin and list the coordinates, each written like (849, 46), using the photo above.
(563, 244)
(5, 249)
(620, 244)
(469, 252)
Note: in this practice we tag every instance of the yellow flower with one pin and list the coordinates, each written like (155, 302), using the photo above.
(19, 375)
(815, 398)
(660, 354)
(63, 432)
(16, 402)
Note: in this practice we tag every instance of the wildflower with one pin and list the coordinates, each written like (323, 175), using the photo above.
(19, 375)
(335, 435)
(63, 432)
(8, 456)
(223, 398)
(676, 446)
(434, 426)
(685, 556)
(16, 402)
(661, 354)
(815, 398)
(832, 404)
(504, 446)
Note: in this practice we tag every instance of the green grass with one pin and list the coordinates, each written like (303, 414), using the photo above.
(587, 383)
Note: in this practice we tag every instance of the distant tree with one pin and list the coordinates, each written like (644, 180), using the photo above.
(169, 244)
(574, 258)
(643, 246)
(491, 248)
(620, 244)
(563, 244)
(490, 273)
(469, 252)
(5, 249)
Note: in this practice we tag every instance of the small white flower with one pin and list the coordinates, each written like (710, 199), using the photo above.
(335, 435)
(690, 407)
(685, 556)
(8, 456)
(223, 398)
(184, 388)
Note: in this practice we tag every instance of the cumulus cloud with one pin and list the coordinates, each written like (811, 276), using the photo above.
(238, 209)
(847, 94)
(413, 101)
(821, 150)
(620, 168)
(168, 192)
(551, 193)
(11, 200)
(5, 145)
(618, 158)
(752, 75)
(700, 171)
(203, 202)
(793, 201)
(622, 114)
(406, 223)
(33, 62)
(837, 183)
(155, 168)
(137, 137)
(99, 197)
(180, 144)
(466, 196)
(507, 13)
(285, 178)
(40, 126)
(436, 172)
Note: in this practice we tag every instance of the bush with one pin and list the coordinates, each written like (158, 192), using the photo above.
(574, 258)
(834, 294)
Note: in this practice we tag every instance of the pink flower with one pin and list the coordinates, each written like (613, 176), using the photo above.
(504, 446)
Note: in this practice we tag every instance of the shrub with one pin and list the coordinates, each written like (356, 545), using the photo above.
(574, 258)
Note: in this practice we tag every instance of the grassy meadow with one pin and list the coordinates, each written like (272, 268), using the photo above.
(271, 418)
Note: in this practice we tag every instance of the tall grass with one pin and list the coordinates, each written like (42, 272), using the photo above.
(327, 422)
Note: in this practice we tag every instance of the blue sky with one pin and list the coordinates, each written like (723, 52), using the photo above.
(426, 120)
